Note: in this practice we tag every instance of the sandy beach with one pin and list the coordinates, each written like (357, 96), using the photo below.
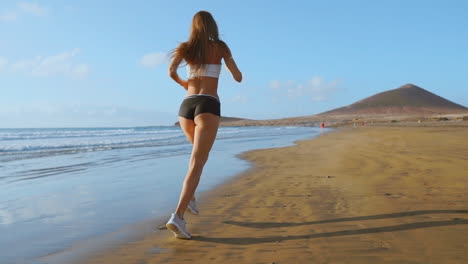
(362, 195)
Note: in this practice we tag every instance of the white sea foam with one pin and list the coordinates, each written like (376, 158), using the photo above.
(28, 143)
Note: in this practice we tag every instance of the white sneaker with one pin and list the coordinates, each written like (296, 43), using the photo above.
(177, 226)
(192, 206)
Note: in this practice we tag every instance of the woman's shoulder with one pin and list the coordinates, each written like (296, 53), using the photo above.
(223, 47)
(222, 44)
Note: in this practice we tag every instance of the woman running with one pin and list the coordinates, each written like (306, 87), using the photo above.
(199, 113)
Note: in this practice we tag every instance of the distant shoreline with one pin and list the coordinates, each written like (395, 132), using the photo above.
(350, 120)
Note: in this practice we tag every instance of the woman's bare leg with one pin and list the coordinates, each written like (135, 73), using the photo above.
(188, 126)
(206, 128)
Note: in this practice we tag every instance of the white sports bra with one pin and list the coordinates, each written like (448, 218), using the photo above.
(207, 70)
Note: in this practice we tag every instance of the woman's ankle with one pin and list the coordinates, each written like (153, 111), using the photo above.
(180, 215)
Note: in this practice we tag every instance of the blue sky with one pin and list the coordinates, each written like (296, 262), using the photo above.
(103, 63)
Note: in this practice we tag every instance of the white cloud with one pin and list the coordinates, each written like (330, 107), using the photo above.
(8, 16)
(24, 8)
(3, 63)
(239, 99)
(80, 71)
(26, 64)
(55, 65)
(317, 89)
(152, 60)
(278, 85)
(32, 8)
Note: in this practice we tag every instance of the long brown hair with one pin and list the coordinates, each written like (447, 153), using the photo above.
(203, 31)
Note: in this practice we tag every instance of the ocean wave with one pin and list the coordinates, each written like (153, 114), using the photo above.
(25, 143)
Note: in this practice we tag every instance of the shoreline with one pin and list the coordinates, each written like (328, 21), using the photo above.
(330, 202)
(129, 233)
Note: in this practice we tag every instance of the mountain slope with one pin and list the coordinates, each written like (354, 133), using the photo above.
(407, 99)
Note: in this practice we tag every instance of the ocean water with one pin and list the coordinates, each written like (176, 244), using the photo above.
(59, 186)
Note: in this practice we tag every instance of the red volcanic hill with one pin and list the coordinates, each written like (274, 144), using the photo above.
(408, 99)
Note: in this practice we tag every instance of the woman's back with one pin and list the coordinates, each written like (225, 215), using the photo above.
(202, 79)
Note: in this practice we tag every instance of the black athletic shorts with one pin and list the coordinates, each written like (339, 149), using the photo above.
(196, 104)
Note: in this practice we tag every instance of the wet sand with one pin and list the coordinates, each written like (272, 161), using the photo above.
(363, 195)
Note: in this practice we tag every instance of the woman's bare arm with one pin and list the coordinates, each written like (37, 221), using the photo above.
(174, 65)
(231, 65)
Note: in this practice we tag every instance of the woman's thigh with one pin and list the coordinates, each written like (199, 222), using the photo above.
(206, 128)
(188, 126)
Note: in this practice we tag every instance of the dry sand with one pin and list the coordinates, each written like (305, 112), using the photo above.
(364, 195)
